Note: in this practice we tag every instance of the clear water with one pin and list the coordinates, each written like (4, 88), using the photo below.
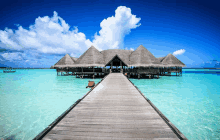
(190, 102)
(31, 99)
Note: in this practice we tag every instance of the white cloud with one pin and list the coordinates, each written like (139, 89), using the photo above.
(46, 35)
(132, 49)
(114, 29)
(52, 35)
(179, 52)
(15, 56)
(72, 55)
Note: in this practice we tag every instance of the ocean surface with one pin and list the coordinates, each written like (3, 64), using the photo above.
(31, 99)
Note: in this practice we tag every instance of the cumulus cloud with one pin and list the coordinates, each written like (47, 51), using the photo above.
(46, 35)
(114, 29)
(15, 56)
(179, 52)
(52, 35)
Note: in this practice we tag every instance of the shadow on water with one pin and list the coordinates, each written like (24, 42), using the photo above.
(11, 137)
(204, 72)
(143, 78)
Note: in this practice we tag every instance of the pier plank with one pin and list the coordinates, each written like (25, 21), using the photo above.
(113, 110)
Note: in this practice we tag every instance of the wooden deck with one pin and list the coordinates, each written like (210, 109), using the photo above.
(114, 109)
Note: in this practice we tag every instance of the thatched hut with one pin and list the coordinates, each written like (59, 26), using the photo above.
(89, 63)
(144, 62)
(141, 57)
(171, 64)
(91, 58)
(171, 61)
(122, 54)
(64, 64)
(137, 63)
(116, 59)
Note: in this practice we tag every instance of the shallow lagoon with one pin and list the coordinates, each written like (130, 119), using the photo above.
(31, 99)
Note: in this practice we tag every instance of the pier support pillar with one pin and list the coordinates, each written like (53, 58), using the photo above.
(139, 76)
(149, 76)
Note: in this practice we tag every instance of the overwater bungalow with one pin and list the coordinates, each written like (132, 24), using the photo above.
(138, 63)
(171, 64)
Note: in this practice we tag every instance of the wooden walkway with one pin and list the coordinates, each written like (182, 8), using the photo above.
(114, 109)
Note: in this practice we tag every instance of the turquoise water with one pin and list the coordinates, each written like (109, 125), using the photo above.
(191, 102)
(31, 99)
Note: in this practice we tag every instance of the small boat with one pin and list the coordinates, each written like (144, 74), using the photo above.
(9, 70)
(91, 84)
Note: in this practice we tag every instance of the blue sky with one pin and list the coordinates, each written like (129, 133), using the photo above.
(39, 33)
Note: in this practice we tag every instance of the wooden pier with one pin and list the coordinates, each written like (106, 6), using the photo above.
(114, 109)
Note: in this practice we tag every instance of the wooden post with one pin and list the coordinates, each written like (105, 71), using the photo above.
(111, 67)
(176, 71)
(121, 66)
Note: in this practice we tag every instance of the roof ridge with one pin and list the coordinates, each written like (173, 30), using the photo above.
(114, 57)
(143, 57)
(91, 57)
(65, 60)
(170, 59)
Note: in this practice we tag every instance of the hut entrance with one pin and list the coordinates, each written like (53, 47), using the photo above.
(116, 64)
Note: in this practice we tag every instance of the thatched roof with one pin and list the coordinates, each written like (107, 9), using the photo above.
(91, 58)
(122, 54)
(64, 61)
(160, 59)
(116, 57)
(141, 57)
(171, 61)
(74, 59)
